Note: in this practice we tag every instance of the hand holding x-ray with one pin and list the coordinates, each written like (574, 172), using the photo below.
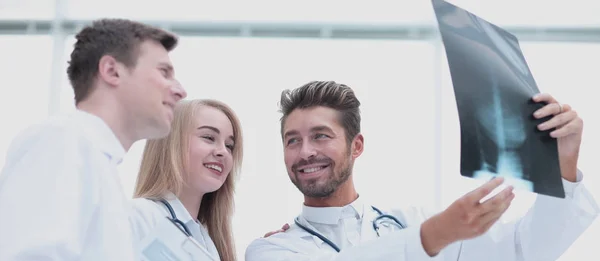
(565, 125)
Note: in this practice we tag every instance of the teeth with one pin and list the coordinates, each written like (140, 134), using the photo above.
(215, 167)
(311, 170)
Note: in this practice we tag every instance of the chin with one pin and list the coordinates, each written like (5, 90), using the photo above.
(166, 128)
(210, 187)
(208, 191)
(162, 134)
(158, 132)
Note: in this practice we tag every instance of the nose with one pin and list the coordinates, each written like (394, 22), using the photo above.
(178, 91)
(307, 151)
(220, 150)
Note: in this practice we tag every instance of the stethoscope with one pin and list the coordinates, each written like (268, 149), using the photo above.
(175, 220)
(181, 225)
(378, 220)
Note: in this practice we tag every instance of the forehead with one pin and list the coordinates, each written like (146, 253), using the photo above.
(303, 120)
(210, 116)
(153, 51)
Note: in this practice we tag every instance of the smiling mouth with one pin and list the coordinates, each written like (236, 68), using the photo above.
(214, 167)
(312, 169)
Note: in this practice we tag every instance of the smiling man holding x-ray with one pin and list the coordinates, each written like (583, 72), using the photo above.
(321, 137)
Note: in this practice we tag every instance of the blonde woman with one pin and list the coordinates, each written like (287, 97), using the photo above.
(191, 174)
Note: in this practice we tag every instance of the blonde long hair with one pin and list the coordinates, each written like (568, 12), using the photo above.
(163, 168)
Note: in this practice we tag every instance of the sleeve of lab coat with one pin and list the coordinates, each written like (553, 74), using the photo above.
(46, 199)
(403, 245)
(544, 233)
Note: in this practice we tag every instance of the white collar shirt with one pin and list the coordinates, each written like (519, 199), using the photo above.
(341, 225)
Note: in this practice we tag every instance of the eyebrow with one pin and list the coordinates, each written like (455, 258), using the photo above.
(215, 130)
(313, 129)
(321, 128)
(290, 133)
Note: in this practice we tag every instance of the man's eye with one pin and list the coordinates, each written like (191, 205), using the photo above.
(318, 136)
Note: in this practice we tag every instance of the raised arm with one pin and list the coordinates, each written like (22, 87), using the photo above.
(44, 202)
(547, 230)
(552, 225)
(466, 218)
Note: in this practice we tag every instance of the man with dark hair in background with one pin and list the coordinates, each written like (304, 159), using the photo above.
(60, 194)
(321, 134)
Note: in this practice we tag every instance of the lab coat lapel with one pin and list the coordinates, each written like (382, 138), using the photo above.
(201, 235)
(210, 245)
(367, 231)
(317, 241)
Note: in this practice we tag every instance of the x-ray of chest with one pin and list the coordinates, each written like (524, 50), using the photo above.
(493, 87)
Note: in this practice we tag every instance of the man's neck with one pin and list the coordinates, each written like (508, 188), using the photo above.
(344, 195)
(191, 202)
(111, 115)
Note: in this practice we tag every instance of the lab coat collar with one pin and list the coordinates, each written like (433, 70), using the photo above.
(367, 231)
(332, 215)
(192, 223)
(179, 209)
(102, 136)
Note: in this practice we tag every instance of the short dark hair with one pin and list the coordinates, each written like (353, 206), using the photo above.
(327, 94)
(119, 38)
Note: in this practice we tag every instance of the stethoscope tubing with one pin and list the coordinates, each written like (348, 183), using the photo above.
(333, 245)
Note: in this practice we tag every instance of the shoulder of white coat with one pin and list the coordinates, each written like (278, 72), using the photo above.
(292, 241)
(144, 216)
(57, 146)
(146, 206)
(264, 249)
(58, 131)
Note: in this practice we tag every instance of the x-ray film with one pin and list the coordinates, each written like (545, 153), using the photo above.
(493, 87)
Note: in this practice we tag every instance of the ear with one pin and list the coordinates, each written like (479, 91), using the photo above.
(358, 144)
(109, 70)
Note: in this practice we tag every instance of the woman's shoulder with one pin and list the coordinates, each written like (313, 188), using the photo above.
(143, 203)
(145, 215)
(147, 208)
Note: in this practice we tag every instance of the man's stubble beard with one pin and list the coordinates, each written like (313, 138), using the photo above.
(319, 189)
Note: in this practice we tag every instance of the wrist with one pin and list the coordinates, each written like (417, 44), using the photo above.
(568, 169)
(432, 237)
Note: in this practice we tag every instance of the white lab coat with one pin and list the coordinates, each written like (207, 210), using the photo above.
(146, 214)
(543, 234)
(60, 195)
